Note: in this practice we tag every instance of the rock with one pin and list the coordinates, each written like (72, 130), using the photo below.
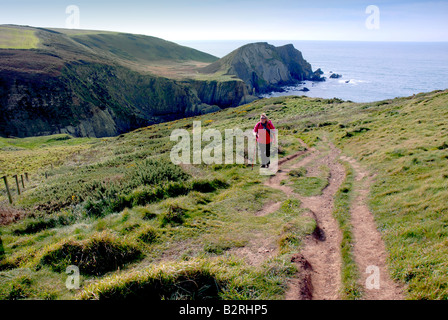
(86, 101)
(263, 67)
(317, 75)
(335, 76)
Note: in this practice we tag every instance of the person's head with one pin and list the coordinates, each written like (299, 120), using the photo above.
(263, 118)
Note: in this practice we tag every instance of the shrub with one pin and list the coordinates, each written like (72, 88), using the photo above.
(174, 189)
(174, 214)
(152, 172)
(207, 185)
(35, 225)
(20, 288)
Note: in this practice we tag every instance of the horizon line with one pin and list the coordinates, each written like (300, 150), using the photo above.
(252, 40)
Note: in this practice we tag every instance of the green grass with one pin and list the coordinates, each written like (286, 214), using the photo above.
(17, 38)
(308, 185)
(198, 221)
(183, 218)
(350, 277)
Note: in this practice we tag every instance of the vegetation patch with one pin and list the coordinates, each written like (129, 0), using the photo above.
(174, 214)
(97, 255)
(17, 38)
(148, 235)
(192, 280)
(309, 186)
(351, 288)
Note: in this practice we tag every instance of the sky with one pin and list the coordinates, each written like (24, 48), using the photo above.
(345, 20)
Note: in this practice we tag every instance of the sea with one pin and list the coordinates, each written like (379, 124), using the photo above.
(371, 71)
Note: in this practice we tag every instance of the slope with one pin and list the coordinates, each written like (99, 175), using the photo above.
(202, 222)
(264, 67)
(73, 83)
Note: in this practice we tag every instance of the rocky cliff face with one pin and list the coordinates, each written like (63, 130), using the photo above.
(264, 67)
(225, 94)
(85, 100)
(95, 100)
(92, 85)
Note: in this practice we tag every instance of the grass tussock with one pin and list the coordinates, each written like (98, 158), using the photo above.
(97, 255)
(196, 279)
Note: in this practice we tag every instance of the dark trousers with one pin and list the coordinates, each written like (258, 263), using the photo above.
(265, 150)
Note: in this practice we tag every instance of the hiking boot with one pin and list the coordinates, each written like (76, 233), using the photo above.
(262, 166)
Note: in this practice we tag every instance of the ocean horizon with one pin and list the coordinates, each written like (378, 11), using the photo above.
(371, 71)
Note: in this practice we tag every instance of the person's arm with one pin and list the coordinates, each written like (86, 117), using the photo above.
(273, 128)
(255, 132)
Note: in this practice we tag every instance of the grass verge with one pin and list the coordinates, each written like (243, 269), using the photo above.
(351, 289)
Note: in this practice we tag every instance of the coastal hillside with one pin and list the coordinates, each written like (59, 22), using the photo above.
(89, 83)
(263, 67)
(97, 84)
(138, 226)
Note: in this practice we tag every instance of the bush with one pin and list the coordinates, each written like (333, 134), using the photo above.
(35, 225)
(207, 185)
(174, 214)
(175, 189)
(20, 288)
(105, 185)
(152, 172)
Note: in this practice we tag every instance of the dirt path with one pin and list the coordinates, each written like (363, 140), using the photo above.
(320, 260)
(369, 250)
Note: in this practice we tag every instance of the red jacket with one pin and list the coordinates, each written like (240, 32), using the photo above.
(263, 136)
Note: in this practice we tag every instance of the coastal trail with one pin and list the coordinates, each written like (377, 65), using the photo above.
(319, 261)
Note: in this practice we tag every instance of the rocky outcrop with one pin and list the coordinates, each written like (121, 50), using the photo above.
(225, 94)
(264, 67)
(317, 75)
(335, 76)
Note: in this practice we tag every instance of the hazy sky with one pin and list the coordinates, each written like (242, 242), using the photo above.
(393, 20)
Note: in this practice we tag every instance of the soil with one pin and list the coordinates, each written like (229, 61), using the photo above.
(369, 249)
(319, 262)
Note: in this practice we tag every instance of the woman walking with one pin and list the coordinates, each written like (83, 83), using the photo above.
(264, 136)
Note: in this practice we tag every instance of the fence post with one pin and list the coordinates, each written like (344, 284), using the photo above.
(17, 183)
(7, 189)
(23, 184)
(26, 177)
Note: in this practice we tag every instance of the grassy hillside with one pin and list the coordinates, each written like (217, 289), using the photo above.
(16, 38)
(121, 202)
(95, 83)
(141, 53)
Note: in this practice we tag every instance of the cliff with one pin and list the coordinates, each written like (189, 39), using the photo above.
(264, 67)
(96, 84)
